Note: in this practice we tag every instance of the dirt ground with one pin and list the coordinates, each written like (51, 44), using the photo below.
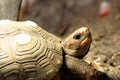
(62, 17)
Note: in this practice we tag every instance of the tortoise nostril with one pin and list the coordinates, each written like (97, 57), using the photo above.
(87, 30)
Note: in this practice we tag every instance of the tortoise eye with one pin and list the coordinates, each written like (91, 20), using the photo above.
(77, 36)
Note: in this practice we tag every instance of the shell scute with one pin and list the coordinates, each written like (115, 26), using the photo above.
(30, 50)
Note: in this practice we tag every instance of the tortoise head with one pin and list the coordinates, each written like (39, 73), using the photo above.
(78, 43)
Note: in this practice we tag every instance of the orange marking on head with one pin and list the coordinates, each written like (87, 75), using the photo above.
(85, 42)
(88, 41)
(70, 43)
(81, 32)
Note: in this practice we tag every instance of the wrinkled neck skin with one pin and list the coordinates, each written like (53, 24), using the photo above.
(78, 43)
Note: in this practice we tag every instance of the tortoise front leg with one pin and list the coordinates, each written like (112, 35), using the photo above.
(80, 70)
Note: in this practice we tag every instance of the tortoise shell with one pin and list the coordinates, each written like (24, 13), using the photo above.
(27, 52)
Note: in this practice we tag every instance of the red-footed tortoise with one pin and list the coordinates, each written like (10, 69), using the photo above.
(27, 52)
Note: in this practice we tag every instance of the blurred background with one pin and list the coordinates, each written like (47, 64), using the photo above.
(61, 17)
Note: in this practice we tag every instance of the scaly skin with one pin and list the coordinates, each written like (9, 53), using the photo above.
(77, 69)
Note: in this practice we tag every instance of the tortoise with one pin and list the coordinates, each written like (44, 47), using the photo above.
(28, 52)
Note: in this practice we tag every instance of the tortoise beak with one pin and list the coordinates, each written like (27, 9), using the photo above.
(86, 38)
(85, 41)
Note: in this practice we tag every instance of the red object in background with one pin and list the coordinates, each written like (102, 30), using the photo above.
(104, 9)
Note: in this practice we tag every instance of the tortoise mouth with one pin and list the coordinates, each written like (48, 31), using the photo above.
(86, 41)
